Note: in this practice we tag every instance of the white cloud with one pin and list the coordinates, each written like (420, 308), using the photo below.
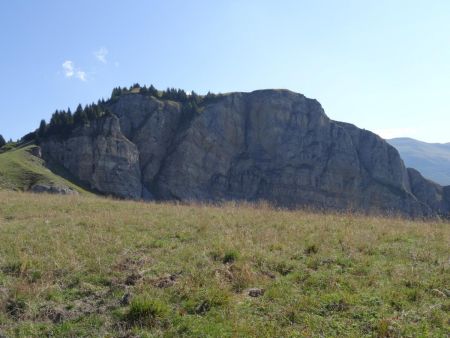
(68, 68)
(81, 75)
(70, 71)
(101, 54)
(389, 133)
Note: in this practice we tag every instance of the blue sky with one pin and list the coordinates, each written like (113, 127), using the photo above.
(382, 65)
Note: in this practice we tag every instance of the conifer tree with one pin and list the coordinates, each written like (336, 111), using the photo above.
(42, 128)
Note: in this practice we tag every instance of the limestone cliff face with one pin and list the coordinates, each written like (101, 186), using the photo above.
(99, 156)
(152, 126)
(272, 145)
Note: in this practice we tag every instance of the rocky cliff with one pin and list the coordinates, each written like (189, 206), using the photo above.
(272, 145)
(100, 156)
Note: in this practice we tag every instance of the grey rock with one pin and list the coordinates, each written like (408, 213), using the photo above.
(272, 145)
(53, 189)
(427, 192)
(256, 292)
(151, 125)
(125, 300)
(99, 155)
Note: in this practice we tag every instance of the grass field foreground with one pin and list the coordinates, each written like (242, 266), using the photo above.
(73, 266)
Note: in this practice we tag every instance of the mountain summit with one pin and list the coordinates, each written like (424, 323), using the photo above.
(273, 145)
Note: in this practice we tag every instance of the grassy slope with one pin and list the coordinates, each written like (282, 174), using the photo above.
(19, 170)
(67, 261)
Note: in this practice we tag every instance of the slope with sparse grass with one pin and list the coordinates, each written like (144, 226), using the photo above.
(20, 170)
(76, 266)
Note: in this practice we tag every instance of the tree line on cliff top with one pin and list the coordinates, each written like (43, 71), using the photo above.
(62, 122)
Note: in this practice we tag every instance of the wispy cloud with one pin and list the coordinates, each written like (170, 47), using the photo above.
(68, 68)
(101, 54)
(81, 75)
(389, 133)
(70, 71)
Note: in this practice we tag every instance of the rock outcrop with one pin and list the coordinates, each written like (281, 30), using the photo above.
(100, 156)
(272, 145)
(53, 189)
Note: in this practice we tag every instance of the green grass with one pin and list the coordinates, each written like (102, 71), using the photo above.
(145, 311)
(77, 266)
(20, 170)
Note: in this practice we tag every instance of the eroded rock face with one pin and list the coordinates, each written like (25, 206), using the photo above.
(100, 156)
(272, 145)
(152, 126)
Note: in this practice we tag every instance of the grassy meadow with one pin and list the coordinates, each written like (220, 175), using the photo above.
(84, 266)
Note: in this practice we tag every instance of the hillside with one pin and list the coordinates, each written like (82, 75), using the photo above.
(73, 266)
(431, 159)
(20, 170)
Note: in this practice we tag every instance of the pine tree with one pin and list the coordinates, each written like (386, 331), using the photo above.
(42, 128)
(182, 96)
(2, 141)
(116, 92)
(144, 90)
(153, 91)
(80, 117)
(194, 98)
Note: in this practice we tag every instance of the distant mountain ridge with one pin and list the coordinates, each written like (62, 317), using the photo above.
(431, 159)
